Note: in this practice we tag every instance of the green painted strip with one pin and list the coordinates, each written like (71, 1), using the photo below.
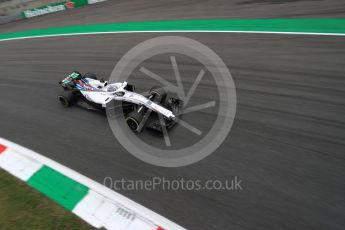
(58, 187)
(327, 26)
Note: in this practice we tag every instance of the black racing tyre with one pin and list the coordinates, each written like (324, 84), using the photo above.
(91, 75)
(159, 94)
(133, 120)
(130, 88)
(66, 98)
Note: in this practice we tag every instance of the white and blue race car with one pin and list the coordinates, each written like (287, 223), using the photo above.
(139, 110)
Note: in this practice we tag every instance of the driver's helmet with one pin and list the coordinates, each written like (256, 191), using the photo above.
(112, 88)
(73, 77)
(76, 75)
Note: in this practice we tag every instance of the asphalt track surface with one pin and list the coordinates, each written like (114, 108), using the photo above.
(287, 143)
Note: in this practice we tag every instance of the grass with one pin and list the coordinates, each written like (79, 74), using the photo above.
(22, 208)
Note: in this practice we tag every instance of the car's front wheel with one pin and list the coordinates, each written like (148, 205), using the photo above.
(158, 93)
(133, 120)
(91, 76)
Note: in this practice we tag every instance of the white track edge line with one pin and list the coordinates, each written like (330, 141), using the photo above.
(178, 31)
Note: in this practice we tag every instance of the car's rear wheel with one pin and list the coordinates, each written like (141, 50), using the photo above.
(158, 93)
(66, 98)
(133, 120)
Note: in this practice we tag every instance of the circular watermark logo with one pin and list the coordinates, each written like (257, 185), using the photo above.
(225, 105)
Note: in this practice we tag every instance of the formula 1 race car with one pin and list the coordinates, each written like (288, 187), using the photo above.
(139, 110)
